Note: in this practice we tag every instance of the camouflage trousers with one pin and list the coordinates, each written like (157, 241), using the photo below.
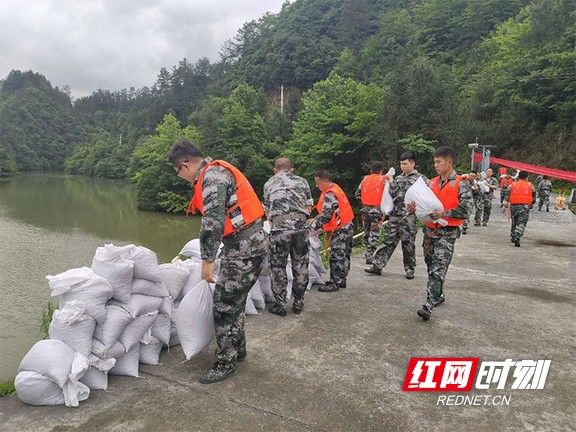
(519, 214)
(487, 208)
(372, 219)
(237, 277)
(544, 200)
(479, 204)
(340, 250)
(293, 243)
(438, 251)
(398, 229)
(466, 224)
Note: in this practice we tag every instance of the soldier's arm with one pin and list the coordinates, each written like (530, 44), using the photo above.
(357, 194)
(214, 193)
(309, 200)
(328, 208)
(465, 202)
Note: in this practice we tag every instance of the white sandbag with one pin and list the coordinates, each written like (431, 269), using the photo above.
(141, 304)
(174, 275)
(426, 201)
(161, 328)
(84, 285)
(127, 364)
(35, 389)
(167, 306)
(117, 318)
(71, 326)
(149, 288)
(313, 276)
(315, 242)
(194, 277)
(174, 338)
(145, 264)
(191, 249)
(250, 308)
(136, 330)
(194, 321)
(96, 377)
(112, 264)
(266, 288)
(51, 358)
(387, 203)
(257, 297)
(150, 352)
(99, 350)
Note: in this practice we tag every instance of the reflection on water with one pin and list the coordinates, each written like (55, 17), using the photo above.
(50, 223)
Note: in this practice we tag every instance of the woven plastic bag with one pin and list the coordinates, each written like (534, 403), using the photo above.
(426, 201)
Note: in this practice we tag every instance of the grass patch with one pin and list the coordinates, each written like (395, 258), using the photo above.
(7, 388)
(46, 318)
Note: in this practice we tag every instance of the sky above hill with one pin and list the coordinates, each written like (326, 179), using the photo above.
(115, 44)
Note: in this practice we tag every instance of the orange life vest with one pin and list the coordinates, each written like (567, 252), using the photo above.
(521, 192)
(248, 202)
(506, 182)
(346, 213)
(372, 189)
(448, 196)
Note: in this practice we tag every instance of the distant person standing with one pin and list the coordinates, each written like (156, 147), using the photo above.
(505, 183)
(471, 179)
(521, 198)
(370, 193)
(335, 217)
(232, 215)
(401, 226)
(492, 184)
(478, 195)
(544, 191)
(456, 198)
(287, 201)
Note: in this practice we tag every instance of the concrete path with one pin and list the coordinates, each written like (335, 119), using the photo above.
(340, 366)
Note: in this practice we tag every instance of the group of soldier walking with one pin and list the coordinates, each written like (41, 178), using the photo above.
(233, 215)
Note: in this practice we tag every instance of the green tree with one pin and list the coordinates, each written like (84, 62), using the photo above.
(333, 129)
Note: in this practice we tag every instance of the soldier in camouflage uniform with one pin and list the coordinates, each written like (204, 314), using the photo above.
(340, 238)
(401, 225)
(519, 211)
(492, 183)
(221, 203)
(478, 196)
(287, 201)
(471, 178)
(544, 191)
(372, 217)
(439, 240)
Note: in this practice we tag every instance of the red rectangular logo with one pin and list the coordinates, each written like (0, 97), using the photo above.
(440, 374)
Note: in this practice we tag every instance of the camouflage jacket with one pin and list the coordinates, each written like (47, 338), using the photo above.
(491, 182)
(287, 194)
(398, 190)
(329, 208)
(219, 195)
(544, 188)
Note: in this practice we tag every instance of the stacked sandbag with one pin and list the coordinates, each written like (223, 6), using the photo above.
(73, 327)
(112, 263)
(49, 375)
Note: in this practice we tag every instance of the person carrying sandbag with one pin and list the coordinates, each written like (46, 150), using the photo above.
(232, 215)
(441, 233)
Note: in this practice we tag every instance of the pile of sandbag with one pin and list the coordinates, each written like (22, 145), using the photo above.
(112, 317)
(261, 293)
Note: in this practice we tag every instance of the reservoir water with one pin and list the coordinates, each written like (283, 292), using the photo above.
(50, 223)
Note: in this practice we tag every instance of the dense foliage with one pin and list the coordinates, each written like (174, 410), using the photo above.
(363, 80)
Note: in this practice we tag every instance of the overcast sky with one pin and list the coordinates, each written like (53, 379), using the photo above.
(115, 44)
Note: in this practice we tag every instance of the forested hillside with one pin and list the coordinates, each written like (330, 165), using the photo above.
(363, 80)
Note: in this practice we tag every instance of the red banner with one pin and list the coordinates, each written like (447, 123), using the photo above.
(535, 169)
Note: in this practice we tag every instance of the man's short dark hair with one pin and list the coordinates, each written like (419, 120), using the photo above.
(183, 150)
(323, 174)
(376, 168)
(283, 164)
(545, 177)
(409, 155)
(474, 172)
(446, 153)
(523, 175)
